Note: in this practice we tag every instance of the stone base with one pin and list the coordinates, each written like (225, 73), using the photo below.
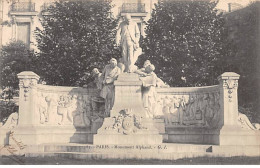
(131, 132)
(127, 139)
(235, 135)
(162, 151)
(192, 135)
(228, 135)
(52, 134)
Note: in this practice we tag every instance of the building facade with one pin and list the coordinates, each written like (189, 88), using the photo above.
(20, 18)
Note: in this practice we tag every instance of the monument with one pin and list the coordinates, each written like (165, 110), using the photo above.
(127, 112)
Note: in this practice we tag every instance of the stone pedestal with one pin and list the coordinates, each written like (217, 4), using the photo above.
(128, 122)
(128, 95)
(25, 130)
(231, 132)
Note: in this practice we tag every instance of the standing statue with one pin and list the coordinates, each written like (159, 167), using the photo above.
(109, 75)
(127, 37)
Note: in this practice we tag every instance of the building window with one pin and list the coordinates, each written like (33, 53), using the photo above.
(23, 32)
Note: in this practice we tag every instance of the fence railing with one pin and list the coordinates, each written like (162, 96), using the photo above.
(23, 7)
(133, 8)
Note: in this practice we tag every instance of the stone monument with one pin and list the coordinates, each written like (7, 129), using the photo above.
(129, 122)
(130, 107)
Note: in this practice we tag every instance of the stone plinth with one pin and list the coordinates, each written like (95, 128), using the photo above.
(128, 123)
(128, 95)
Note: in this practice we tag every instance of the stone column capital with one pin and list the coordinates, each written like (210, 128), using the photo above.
(228, 76)
(28, 79)
(229, 80)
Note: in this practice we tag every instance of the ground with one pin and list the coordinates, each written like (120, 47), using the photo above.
(187, 161)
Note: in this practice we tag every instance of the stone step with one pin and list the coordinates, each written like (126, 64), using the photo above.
(140, 156)
(162, 148)
(163, 151)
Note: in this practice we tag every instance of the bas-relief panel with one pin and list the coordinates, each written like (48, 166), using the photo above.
(68, 109)
(202, 109)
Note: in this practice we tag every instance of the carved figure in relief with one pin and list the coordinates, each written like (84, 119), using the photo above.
(127, 123)
(191, 108)
(244, 122)
(166, 111)
(201, 108)
(52, 104)
(158, 112)
(63, 110)
(109, 75)
(174, 110)
(80, 118)
(42, 107)
(182, 106)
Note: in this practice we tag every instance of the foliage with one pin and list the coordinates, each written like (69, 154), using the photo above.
(77, 37)
(14, 58)
(243, 58)
(185, 39)
(6, 109)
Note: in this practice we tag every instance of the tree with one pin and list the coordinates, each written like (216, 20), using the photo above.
(15, 57)
(77, 37)
(243, 58)
(185, 40)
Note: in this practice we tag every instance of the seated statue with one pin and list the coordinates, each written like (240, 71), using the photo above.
(109, 75)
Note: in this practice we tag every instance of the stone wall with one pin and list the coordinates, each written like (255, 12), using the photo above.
(55, 114)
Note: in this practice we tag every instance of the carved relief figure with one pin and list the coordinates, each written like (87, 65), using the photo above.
(166, 111)
(109, 75)
(42, 107)
(126, 123)
(127, 37)
(80, 118)
(63, 104)
(244, 122)
(190, 110)
(174, 106)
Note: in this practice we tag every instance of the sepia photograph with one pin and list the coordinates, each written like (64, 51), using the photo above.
(129, 82)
